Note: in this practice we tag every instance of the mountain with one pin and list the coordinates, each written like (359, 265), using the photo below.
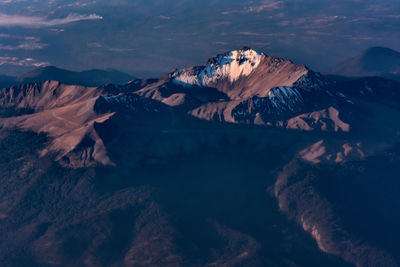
(244, 86)
(85, 78)
(247, 160)
(375, 61)
(240, 87)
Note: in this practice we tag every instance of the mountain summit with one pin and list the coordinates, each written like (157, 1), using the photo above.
(242, 73)
(231, 66)
(243, 86)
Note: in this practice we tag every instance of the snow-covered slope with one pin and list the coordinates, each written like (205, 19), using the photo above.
(231, 66)
(242, 73)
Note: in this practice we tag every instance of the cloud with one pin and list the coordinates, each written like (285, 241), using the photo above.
(396, 16)
(310, 32)
(378, 8)
(260, 43)
(11, 1)
(57, 30)
(24, 46)
(284, 23)
(265, 5)
(15, 42)
(222, 23)
(323, 22)
(22, 43)
(361, 38)
(109, 48)
(26, 62)
(262, 34)
(37, 22)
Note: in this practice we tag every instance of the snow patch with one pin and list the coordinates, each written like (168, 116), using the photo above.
(284, 96)
(231, 66)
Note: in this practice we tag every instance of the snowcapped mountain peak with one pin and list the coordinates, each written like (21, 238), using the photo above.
(231, 65)
(242, 86)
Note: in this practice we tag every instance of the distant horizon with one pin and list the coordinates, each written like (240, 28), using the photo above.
(149, 38)
(143, 75)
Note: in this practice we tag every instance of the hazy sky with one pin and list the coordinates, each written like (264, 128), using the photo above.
(148, 38)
